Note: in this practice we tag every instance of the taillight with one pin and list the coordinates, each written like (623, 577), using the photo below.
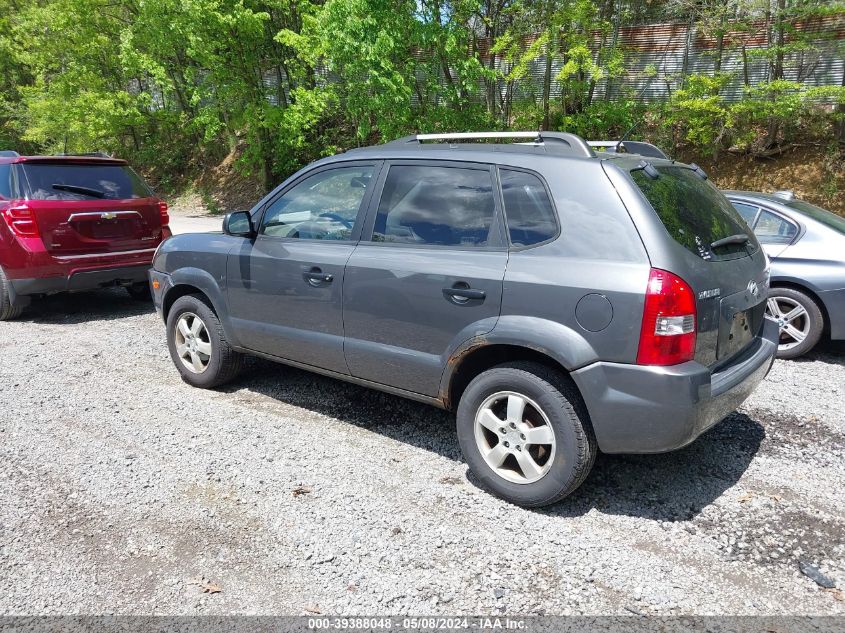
(21, 219)
(162, 210)
(668, 330)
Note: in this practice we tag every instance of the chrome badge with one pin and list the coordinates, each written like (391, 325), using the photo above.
(753, 288)
(108, 216)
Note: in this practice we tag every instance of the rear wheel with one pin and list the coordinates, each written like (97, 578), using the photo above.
(799, 319)
(140, 291)
(7, 310)
(198, 345)
(525, 433)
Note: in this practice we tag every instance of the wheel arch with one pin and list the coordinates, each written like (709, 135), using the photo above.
(807, 290)
(479, 358)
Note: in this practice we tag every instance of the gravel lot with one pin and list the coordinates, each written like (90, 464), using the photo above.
(123, 490)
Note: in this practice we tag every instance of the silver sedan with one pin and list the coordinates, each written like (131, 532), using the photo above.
(806, 246)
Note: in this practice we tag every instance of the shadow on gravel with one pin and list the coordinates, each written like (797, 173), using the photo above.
(82, 307)
(672, 486)
(403, 420)
(827, 351)
(669, 487)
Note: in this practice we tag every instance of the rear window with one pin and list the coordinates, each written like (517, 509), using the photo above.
(53, 181)
(837, 223)
(694, 212)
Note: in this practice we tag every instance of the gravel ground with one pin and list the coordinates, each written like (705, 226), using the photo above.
(123, 490)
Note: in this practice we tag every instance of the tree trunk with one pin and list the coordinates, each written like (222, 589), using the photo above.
(778, 63)
(547, 80)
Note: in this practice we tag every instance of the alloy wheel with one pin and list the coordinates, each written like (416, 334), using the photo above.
(193, 344)
(515, 437)
(792, 319)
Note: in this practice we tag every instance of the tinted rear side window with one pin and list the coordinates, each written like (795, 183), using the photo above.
(444, 206)
(5, 181)
(531, 218)
(54, 181)
(694, 212)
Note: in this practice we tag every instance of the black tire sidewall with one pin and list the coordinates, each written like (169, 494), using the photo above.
(814, 315)
(211, 376)
(564, 422)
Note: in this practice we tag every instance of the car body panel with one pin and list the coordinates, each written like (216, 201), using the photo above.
(577, 299)
(814, 260)
(81, 244)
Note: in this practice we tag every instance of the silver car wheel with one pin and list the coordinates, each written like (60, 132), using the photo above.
(515, 437)
(193, 344)
(792, 319)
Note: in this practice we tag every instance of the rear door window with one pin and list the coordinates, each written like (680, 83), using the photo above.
(773, 229)
(747, 211)
(67, 181)
(441, 206)
(695, 213)
(528, 209)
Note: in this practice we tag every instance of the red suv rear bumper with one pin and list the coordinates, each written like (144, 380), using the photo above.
(32, 270)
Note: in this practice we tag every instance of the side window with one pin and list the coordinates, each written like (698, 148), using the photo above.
(773, 229)
(446, 206)
(747, 211)
(531, 218)
(321, 207)
(5, 181)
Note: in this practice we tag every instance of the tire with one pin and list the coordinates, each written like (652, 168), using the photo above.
(809, 323)
(551, 400)
(7, 310)
(218, 362)
(140, 291)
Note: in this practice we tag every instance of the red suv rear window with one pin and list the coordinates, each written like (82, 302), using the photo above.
(55, 181)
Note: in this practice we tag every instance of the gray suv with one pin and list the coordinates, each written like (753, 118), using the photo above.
(560, 300)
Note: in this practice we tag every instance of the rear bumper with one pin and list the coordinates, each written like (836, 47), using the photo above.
(637, 409)
(78, 280)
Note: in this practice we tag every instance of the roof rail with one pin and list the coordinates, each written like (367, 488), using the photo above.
(630, 147)
(576, 144)
(8, 153)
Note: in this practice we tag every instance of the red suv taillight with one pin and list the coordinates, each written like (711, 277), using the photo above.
(162, 210)
(668, 331)
(20, 219)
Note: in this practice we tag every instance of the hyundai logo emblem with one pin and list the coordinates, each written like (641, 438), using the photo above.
(753, 288)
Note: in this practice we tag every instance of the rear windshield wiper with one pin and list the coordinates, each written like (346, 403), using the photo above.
(740, 238)
(85, 191)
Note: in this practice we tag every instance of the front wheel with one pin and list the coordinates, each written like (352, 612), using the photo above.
(799, 319)
(525, 433)
(198, 344)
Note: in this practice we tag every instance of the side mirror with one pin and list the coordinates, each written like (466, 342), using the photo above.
(239, 224)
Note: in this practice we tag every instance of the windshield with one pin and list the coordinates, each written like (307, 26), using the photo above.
(65, 181)
(836, 222)
(695, 213)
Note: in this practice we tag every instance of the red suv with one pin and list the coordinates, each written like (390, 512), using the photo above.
(74, 223)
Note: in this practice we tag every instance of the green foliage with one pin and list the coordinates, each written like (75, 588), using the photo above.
(175, 85)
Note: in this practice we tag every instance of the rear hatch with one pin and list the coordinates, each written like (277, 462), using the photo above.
(723, 262)
(85, 207)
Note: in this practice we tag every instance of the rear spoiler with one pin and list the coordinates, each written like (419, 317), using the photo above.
(628, 147)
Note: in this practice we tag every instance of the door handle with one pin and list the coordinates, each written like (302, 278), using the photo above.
(461, 294)
(317, 276)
